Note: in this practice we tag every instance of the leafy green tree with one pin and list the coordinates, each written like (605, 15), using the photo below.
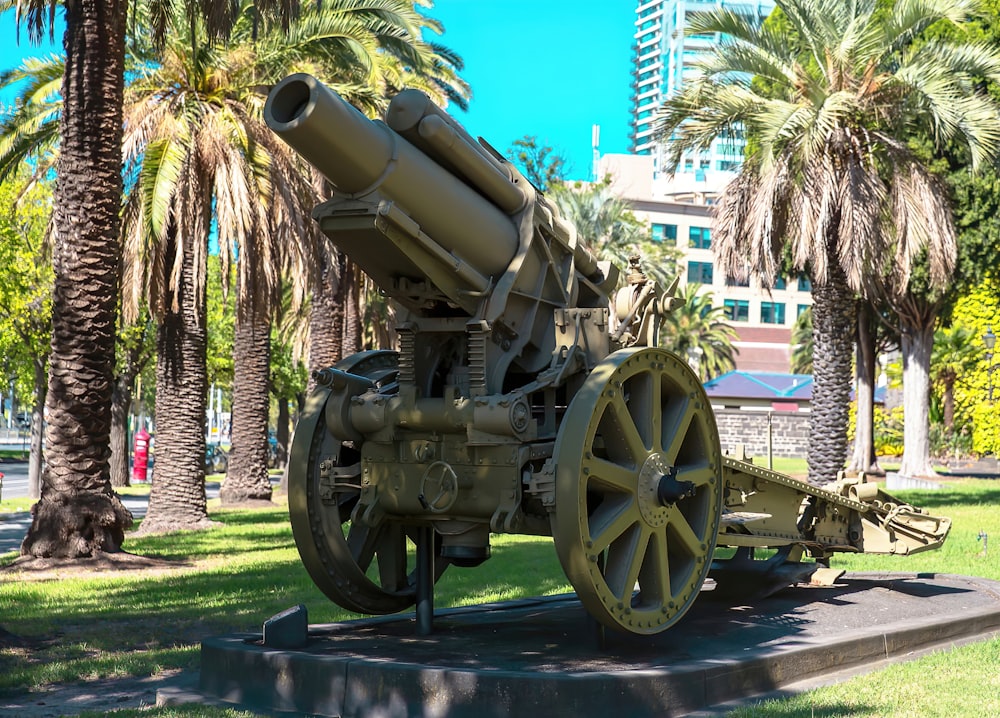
(26, 296)
(543, 166)
(697, 331)
(828, 101)
(975, 312)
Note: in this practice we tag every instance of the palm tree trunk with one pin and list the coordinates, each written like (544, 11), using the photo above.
(300, 403)
(247, 477)
(917, 344)
(37, 427)
(282, 433)
(121, 399)
(177, 499)
(833, 330)
(949, 402)
(350, 286)
(78, 513)
(863, 459)
(326, 319)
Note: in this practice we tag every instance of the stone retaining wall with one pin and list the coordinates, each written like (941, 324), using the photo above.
(789, 431)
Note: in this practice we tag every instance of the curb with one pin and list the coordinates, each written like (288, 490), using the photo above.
(474, 667)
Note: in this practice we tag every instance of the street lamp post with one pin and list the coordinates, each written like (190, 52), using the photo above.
(990, 340)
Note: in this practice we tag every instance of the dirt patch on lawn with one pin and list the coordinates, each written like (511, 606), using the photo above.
(29, 568)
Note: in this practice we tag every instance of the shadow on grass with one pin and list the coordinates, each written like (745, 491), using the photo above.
(248, 571)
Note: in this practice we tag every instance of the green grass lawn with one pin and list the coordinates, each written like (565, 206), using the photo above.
(88, 626)
(960, 683)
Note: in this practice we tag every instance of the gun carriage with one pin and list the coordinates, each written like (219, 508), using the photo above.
(527, 396)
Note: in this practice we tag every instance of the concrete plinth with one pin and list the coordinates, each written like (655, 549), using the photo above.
(543, 656)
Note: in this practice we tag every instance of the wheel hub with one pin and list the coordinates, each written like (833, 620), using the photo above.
(659, 489)
(669, 490)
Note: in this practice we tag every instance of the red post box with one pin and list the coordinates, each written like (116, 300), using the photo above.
(140, 455)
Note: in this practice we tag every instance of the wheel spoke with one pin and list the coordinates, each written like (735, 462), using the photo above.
(681, 530)
(628, 432)
(625, 558)
(607, 475)
(610, 520)
(363, 542)
(656, 410)
(654, 580)
(699, 475)
(676, 430)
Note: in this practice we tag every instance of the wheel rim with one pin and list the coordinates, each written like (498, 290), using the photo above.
(638, 490)
(366, 569)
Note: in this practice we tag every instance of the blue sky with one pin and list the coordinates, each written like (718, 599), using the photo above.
(548, 68)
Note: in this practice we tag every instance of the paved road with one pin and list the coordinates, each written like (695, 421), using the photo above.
(15, 479)
(13, 526)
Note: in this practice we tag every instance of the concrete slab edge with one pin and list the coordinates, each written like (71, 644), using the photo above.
(241, 673)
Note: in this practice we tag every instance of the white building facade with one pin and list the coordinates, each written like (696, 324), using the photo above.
(681, 216)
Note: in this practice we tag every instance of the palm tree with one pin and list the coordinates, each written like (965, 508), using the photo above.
(606, 223)
(697, 331)
(195, 145)
(828, 99)
(956, 354)
(196, 120)
(78, 513)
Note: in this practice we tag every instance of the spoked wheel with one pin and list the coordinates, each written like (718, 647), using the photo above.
(367, 569)
(638, 490)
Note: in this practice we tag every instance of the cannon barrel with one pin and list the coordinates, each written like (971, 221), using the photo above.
(359, 156)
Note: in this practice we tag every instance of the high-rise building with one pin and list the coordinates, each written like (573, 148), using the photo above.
(663, 62)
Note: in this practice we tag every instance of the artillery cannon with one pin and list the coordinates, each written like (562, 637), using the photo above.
(527, 396)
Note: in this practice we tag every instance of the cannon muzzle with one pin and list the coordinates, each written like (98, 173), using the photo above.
(360, 157)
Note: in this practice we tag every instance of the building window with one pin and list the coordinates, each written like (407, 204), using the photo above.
(737, 310)
(804, 284)
(665, 233)
(700, 238)
(772, 313)
(799, 309)
(779, 283)
(733, 282)
(699, 272)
